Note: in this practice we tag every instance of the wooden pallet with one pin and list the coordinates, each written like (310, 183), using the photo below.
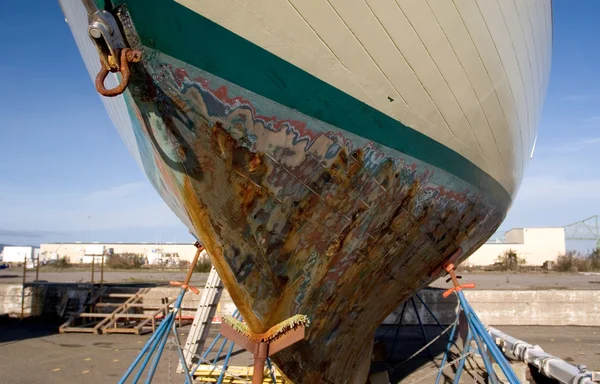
(132, 317)
(113, 315)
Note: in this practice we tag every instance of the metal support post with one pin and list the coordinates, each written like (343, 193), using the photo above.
(412, 300)
(23, 287)
(398, 329)
(92, 288)
(262, 347)
(102, 272)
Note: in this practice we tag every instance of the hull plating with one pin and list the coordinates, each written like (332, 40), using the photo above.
(299, 216)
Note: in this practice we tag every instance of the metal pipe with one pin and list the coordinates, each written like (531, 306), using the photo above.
(414, 305)
(161, 348)
(186, 371)
(271, 370)
(148, 345)
(225, 363)
(23, 287)
(93, 264)
(398, 330)
(492, 377)
(430, 311)
(445, 358)
(548, 365)
(235, 315)
(102, 272)
(160, 331)
(35, 298)
(482, 332)
(461, 365)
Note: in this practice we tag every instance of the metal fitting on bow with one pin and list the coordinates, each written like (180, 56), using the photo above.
(114, 55)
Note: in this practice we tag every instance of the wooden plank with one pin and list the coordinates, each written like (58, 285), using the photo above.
(86, 314)
(164, 308)
(110, 321)
(120, 295)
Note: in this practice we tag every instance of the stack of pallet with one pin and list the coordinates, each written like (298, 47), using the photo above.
(118, 313)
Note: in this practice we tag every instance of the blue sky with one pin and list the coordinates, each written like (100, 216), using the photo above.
(61, 160)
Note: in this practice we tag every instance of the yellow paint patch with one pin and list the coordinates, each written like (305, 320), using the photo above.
(139, 342)
(86, 372)
(56, 370)
(88, 359)
(115, 360)
(577, 340)
(116, 350)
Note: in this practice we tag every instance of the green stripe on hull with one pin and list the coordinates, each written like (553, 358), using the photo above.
(181, 33)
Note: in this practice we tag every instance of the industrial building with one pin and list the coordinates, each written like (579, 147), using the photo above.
(535, 245)
(154, 253)
(18, 255)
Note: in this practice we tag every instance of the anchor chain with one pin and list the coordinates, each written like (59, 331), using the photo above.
(115, 56)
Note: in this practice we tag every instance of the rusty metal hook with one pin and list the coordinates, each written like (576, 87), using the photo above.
(128, 55)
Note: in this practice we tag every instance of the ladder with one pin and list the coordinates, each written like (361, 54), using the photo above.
(203, 317)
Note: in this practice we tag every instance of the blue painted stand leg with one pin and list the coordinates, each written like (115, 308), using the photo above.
(498, 356)
(430, 312)
(461, 365)
(398, 329)
(271, 370)
(236, 315)
(445, 358)
(155, 346)
(226, 363)
(414, 305)
(186, 371)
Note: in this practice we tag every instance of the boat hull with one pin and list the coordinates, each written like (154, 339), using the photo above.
(339, 214)
(299, 216)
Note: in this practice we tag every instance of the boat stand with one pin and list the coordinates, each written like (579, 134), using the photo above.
(209, 372)
(485, 346)
(156, 344)
(263, 345)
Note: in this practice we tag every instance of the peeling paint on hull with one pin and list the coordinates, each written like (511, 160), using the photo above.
(299, 216)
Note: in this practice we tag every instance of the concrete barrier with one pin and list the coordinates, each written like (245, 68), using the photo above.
(547, 307)
(494, 307)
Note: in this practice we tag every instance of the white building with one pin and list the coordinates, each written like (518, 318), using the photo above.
(535, 245)
(85, 252)
(18, 255)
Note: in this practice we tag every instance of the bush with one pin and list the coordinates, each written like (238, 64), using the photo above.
(124, 261)
(595, 259)
(184, 264)
(203, 265)
(510, 261)
(573, 261)
(62, 263)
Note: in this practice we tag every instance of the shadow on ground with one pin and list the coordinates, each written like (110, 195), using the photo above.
(13, 329)
(401, 349)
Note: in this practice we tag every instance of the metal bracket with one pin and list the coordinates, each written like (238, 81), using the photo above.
(105, 34)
